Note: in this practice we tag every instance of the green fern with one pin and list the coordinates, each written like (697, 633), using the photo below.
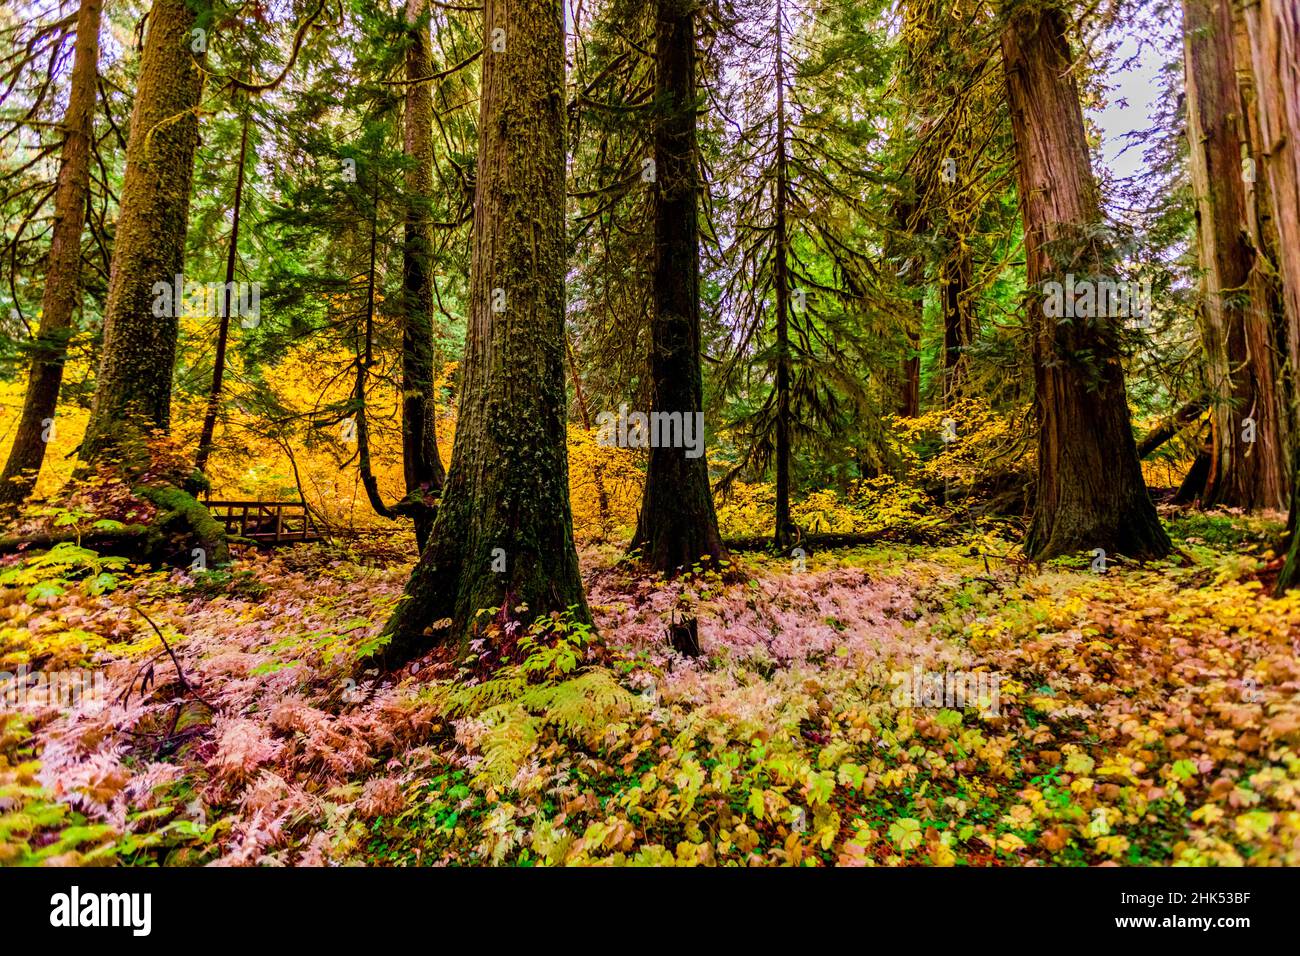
(583, 704)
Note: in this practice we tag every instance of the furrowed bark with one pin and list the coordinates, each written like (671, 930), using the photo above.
(503, 535)
(1090, 491)
(1238, 310)
(1273, 35)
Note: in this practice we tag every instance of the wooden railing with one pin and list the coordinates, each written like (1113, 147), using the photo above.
(266, 522)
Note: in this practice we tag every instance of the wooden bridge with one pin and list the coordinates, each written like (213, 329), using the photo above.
(269, 523)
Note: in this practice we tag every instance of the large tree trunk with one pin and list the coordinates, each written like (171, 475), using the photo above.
(503, 537)
(227, 296)
(1273, 29)
(422, 466)
(1090, 491)
(134, 387)
(678, 526)
(62, 291)
(1248, 463)
(784, 536)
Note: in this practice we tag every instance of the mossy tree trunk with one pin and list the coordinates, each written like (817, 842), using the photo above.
(421, 465)
(1090, 491)
(62, 292)
(678, 526)
(1248, 467)
(134, 386)
(503, 536)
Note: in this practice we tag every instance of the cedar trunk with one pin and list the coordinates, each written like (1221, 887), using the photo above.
(678, 525)
(1237, 315)
(1090, 491)
(134, 386)
(503, 536)
(1273, 32)
(63, 275)
(421, 465)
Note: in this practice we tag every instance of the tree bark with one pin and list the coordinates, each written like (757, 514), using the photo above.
(503, 536)
(678, 526)
(909, 395)
(1171, 426)
(228, 293)
(422, 466)
(1090, 492)
(62, 292)
(365, 353)
(134, 386)
(1237, 315)
(903, 215)
(1273, 33)
(958, 323)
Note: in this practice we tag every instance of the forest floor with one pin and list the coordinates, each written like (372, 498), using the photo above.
(1142, 715)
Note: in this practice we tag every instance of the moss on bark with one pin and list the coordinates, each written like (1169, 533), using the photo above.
(134, 384)
(503, 535)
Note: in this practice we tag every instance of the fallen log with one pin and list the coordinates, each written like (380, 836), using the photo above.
(179, 513)
(1172, 425)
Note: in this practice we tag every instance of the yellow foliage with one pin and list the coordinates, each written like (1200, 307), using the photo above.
(604, 487)
(971, 441)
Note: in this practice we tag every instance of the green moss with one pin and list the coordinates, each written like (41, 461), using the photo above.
(180, 505)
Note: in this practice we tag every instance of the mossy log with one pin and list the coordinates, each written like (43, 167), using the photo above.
(180, 516)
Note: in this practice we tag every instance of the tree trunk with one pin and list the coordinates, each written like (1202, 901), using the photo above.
(909, 395)
(1237, 313)
(584, 416)
(421, 464)
(1273, 31)
(228, 293)
(62, 292)
(1090, 491)
(678, 526)
(134, 386)
(365, 352)
(503, 536)
(784, 536)
(909, 376)
(1171, 426)
(958, 324)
